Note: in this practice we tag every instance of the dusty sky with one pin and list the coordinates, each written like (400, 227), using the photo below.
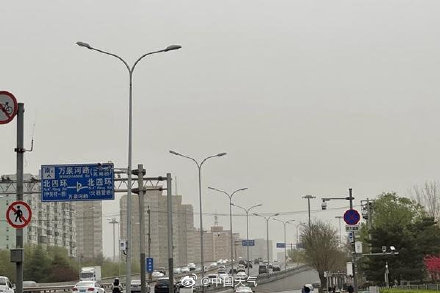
(306, 97)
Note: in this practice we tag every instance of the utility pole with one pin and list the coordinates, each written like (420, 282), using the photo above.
(308, 197)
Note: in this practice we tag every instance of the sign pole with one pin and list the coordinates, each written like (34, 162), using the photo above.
(19, 232)
(354, 246)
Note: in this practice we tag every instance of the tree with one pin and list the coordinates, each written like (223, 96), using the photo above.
(428, 196)
(36, 268)
(322, 250)
(402, 223)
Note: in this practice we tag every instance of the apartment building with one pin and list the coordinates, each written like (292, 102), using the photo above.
(52, 223)
(88, 218)
(155, 223)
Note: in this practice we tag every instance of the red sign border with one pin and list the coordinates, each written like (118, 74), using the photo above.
(10, 208)
(355, 211)
(15, 106)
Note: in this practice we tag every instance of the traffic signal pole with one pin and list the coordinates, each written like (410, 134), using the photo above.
(353, 254)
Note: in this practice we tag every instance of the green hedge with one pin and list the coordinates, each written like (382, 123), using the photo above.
(398, 290)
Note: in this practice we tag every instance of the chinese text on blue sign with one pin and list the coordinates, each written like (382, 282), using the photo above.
(77, 182)
(149, 263)
(248, 242)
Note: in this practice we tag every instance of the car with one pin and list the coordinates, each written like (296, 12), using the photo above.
(185, 269)
(88, 287)
(6, 285)
(136, 286)
(276, 268)
(29, 284)
(241, 268)
(162, 285)
(212, 265)
(191, 266)
(263, 269)
(177, 270)
(157, 274)
(241, 275)
(243, 289)
(310, 286)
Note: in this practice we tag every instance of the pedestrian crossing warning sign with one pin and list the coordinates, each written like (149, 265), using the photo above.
(18, 214)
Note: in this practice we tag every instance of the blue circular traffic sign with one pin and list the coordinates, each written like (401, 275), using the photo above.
(352, 217)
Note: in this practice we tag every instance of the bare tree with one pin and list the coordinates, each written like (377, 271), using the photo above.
(322, 251)
(428, 195)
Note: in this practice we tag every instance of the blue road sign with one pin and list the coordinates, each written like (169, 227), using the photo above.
(149, 264)
(83, 182)
(352, 217)
(248, 242)
(281, 245)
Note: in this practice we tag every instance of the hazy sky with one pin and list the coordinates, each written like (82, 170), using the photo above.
(306, 97)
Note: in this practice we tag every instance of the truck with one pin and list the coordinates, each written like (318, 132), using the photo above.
(90, 273)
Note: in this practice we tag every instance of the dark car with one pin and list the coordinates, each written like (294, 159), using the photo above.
(162, 286)
(136, 286)
(276, 268)
(263, 269)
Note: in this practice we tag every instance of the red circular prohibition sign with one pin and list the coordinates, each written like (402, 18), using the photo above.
(23, 220)
(8, 107)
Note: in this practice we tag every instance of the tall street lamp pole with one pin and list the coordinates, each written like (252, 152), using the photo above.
(199, 166)
(247, 230)
(113, 221)
(340, 227)
(308, 197)
(285, 244)
(267, 232)
(130, 131)
(230, 219)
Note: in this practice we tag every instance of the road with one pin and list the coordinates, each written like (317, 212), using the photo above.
(291, 284)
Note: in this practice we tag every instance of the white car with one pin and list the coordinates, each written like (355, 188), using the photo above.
(243, 289)
(212, 265)
(157, 274)
(88, 287)
(177, 270)
(185, 270)
(6, 285)
(241, 276)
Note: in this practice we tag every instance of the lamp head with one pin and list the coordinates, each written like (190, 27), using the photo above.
(172, 47)
(221, 154)
(85, 45)
(174, 153)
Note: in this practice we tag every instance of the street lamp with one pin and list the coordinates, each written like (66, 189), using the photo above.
(247, 230)
(308, 197)
(130, 130)
(230, 219)
(267, 231)
(199, 166)
(113, 221)
(285, 244)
